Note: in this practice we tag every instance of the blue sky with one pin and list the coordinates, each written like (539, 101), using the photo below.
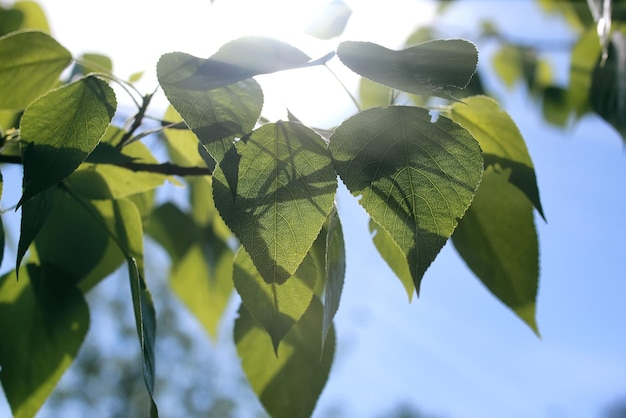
(455, 351)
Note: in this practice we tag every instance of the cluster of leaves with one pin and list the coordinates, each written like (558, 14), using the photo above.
(262, 218)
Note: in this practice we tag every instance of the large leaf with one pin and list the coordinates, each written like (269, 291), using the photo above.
(498, 241)
(32, 62)
(60, 129)
(276, 306)
(202, 264)
(241, 59)
(415, 177)
(500, 140)
(43, 321)
(280, 198)
(434, 68)
(216, 116)
(393, 256)
(289, 384)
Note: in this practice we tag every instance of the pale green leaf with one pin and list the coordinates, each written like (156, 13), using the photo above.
(60, 129)
(500, 140)
(43, 321)
(393, 256)
(238, 60)
(415, 177)
(330, 21)
(92, 63)
(33, 15)
(584, 59)
(216, 116)
(35, 64)
(433, 68)
(372, 94)
(277, 307)
(498, 241)
(278, 195)
(288, 384)
(507, 63)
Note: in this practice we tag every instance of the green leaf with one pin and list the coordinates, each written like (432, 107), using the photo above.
(60, 129)
(288, 385)
(500, 141)
(35, 64)
(10, 20)
(216, 116)
(202, 264)
(35, 213)
(393, 256)
(280, 198)
(434, 68)
(330, 22)
(584, 58)
(498, 241)
(373, 94)
(92, 63)
(75, 240)
(33, 16)
(334, 270)
(43, 321)
(277, 307)
(415, 177)
(507, 63)
(239, 60)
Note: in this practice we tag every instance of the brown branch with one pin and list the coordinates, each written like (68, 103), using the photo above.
(167, 169)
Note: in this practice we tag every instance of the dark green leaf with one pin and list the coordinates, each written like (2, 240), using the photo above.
(500, 141)
(36, 63)
(497, 240)
(60, 129)
(280, 198)
(415, 177)
(334, 270)
(239, 60)
(43, 321)
(288, 385)
(277, 307)
(35, 212)
(434, 68)
(331, 21)
(394, 257)
(216, 116)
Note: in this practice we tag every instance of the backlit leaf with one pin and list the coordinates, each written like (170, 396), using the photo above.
(393, 256)
(43, 321)
(217, 116)
(498, 241)
(60, 129)
(33, 15)
(433, 68)
(35, 64)
(288, 384)
(501, 142)
(331, 21)
(415, 177)
(334, 270)
(281, 196)
(239, 60)
(35, 212)
(277, 307)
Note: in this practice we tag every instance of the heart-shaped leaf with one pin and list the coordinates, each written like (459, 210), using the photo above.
(277, 307)
(217, 116)
(32, 62)
(241, 59)
(60, 129)
(43, 321)
(433, 68)
(416, 178)
(288, 384)
(284, 189)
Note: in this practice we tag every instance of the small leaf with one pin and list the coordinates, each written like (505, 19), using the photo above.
(216, 116)
(289, 384)
(498, 241)
(331, 21)
(92, 63)
(36, 63)
(60, 129)
(500, 141)
(434, 68)
(415, 177)
(285, 189)
(241, 59)
(277, 307)
(334, 271)
(34, 16)
(393, 256)
(35, 213)
(43, 322)
(584, 58)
